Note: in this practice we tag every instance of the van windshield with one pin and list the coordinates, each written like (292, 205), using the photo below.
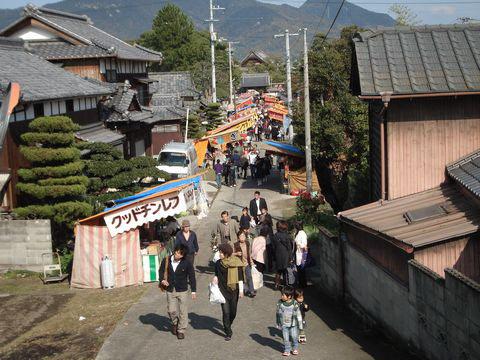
(172, 159)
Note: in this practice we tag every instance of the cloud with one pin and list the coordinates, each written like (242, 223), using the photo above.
(443, 9)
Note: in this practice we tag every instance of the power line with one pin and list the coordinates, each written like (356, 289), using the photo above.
(333, 23)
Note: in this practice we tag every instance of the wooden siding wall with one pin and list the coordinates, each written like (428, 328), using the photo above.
(462, 255)
(163, 134)
(389, 257)
(89, 68)
(123, 66)
(423, 136)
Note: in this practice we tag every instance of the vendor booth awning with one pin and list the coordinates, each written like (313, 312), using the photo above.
(242, 123)
(171, 198)
(282, 148)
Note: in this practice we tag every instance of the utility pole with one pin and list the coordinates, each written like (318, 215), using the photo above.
(186, 127)
(289, 76)
(230, 51)
(212, 48)
(306, 100)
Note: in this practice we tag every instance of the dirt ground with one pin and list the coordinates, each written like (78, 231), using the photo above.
(43, 321)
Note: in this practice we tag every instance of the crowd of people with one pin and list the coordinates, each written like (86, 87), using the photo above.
(239, 162)
(246, 246)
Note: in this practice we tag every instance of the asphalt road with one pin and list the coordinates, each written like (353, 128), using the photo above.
(144, 333)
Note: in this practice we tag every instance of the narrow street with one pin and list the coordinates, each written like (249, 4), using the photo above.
(144, 333)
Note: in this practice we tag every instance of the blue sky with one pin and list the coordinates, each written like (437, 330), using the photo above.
(428, 11)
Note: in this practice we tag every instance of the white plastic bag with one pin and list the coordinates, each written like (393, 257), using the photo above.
(216, 296)
(257, 278)
(216, 256)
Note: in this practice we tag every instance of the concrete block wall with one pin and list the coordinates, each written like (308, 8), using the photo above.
(327, 275)
(378, 298)
(22, 243)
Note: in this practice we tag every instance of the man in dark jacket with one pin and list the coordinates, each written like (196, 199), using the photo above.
(256, 205)
(179, 272)
(188, 238)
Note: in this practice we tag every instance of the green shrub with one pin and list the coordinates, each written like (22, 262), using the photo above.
(48, 139)
(55, 191)
(66, 261)
(52, 124)
(105, 169)
(143, 162)
(70, 169)
(35, 212)
(69, 180)
(68, 212)
(100, 149)
(49, 156)
(95, 184)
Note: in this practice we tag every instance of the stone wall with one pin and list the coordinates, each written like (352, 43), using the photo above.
(22, 243)
(327, 275)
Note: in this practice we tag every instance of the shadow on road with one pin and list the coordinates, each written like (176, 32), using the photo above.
(266, 341)
(202, 322)
(161, 323)
(338, 318)
(205, 269)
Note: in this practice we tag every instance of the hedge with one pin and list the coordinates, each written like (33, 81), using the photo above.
(127, 178)
(71, 169)
(53, 191)
(100, 149)
(69, 180)
(143, 162)
(48, 139)
(36, 212)
(45, 156)
(52, 124)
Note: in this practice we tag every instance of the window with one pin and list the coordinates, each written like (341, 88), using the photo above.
(169, 128)
(172, 159)
(38, 110)
(426, 213)
(111, 75)
(69, 106)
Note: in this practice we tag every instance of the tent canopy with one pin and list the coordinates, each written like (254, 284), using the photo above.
(282, 148)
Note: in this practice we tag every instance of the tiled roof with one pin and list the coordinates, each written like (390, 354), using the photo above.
(419, 60)
(466, 172)
(97, 132)
(67, 51)
(165, 100)
(81, 28)
(169, 112)
(461, 217)
(40, 79)
(174, 84)
(255, 54)
(255, 80)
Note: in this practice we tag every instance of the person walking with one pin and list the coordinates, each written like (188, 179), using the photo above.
(232, 178)
(226, 172)
(252, 160)
(259, 250)
(229, 275)
(289, 320)
(237, 163)
(227, 228)
(283, 250)
(245, 219)
(301, 247)
(265, 222)
(188, 238)
(244, 165)
(256, 205)
(218, 168)
(177, 272)
(242, 249)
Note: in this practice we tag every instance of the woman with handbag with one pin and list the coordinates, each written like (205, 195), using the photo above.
(301, 252)
(229, 275)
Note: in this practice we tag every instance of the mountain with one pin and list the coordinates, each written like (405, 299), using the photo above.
(250, 22)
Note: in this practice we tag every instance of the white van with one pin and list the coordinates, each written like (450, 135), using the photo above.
(178, 159)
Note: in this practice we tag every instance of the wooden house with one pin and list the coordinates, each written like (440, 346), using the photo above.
(46, 89)
(257, 81)
(172, 94)
(73, 42)
(422, 85)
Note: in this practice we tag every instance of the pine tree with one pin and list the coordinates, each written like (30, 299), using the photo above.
(214, 116)
(54, 187)
(194, 127)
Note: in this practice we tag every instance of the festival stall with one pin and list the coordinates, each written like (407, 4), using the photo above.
(116, 233)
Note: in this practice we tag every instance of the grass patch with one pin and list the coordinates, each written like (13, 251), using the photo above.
(15, 274)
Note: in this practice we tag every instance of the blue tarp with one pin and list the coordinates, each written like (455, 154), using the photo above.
(284, 146)
(157, 189)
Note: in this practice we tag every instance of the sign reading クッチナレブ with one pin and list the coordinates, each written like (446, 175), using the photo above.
(145, 211)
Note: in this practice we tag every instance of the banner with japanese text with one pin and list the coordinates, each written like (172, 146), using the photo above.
(149, 210)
